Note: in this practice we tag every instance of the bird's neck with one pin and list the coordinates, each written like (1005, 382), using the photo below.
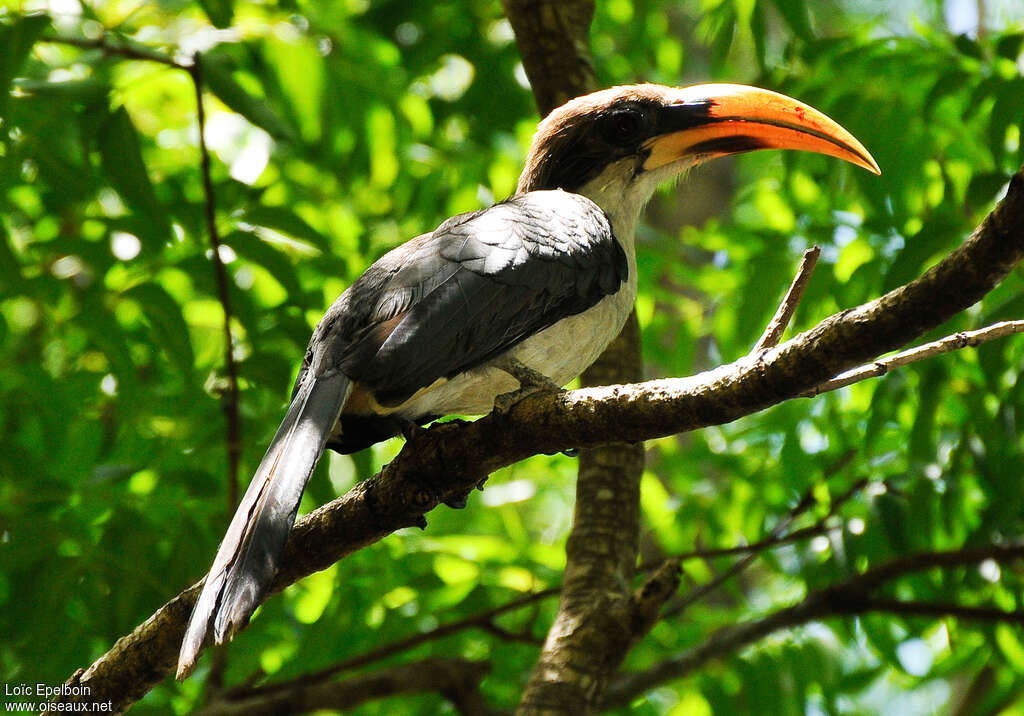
(622, 192)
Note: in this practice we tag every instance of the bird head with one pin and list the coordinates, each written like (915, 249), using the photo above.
(617, 145)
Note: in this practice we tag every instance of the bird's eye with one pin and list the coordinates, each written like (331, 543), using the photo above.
(623, 127)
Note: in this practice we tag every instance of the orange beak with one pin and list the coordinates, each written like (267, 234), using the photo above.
(713, 120)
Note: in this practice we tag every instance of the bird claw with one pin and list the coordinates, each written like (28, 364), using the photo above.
(506, 401)
(411, 431)
(530, 382)
(568, 452)
(458, 502)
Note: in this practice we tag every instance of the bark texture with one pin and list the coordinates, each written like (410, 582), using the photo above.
(553, 37)
(597, 615)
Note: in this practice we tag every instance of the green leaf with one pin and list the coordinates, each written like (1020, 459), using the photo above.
(301, 77)
(1008, 109)
(1009, 46)
(984, 187)
(933, 380)
(10, 268)
(16, 41)
(220, 12)
(168, 326)
(949, 83)
(1010, 646)
(892, 514)
(795, 13)
(759, 32)
(121, 155)
(217, 73)
(86, 90)
(937, 234)
(968, 47)
(286, 222)
(254, 249)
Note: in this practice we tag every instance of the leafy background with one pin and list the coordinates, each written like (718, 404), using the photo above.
(341, 128)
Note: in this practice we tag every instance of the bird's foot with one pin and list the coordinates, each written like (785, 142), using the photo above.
(458, 502)
(568, 452)
(530, 382)
(506, 401)
(411, 430)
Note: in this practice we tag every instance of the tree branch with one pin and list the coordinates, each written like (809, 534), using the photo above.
(451, 458)
(775, 539)
(481, 620)
(843, 599)
(597, 613)
(805, 503)
(117, 46)
(553, 37)
(948, 344)
(784, 314)
(458, 680)
(231, 408)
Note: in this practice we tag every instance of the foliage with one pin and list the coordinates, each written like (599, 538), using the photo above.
(342, 128)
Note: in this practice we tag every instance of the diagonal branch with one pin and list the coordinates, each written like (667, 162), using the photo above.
(451, 458)
(116, 46)
(482, 620)
(776, 538)
(458, 680)
(846, 598)
(777, 534)
(948, 344)
(784, 314)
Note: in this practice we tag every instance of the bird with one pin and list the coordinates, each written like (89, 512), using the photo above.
(493, 304)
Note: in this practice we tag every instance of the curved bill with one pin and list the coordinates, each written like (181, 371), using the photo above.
(713, 120)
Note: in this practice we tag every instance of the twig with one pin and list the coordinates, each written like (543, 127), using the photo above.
(821, 526)
(457, 679)
(805, 503)
(948, 344)
(110, 44)
(784, 314)
(508, 635)
(775, 538)
(484, 620)
(231, 410)
(121, 48)
(934, 609)
(844, 598)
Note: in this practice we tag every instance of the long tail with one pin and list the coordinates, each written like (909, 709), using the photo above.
(247, 559)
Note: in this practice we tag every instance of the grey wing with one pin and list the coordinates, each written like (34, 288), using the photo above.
(477, 286)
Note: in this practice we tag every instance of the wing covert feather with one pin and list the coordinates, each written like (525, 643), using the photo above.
(482, 282)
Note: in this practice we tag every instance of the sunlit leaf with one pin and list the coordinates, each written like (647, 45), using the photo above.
(16, 40)
(166, 321)
(217, 73)
(121, 153)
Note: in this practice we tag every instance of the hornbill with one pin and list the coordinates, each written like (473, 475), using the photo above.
(492, 303)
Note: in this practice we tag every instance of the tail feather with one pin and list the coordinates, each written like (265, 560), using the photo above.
(247, 558)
